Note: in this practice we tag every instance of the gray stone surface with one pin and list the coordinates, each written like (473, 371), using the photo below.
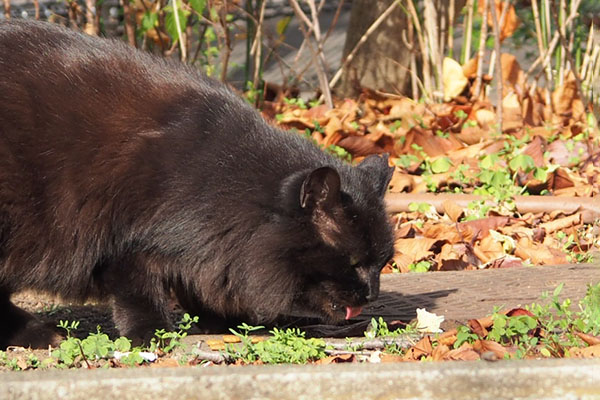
(549, 379)
(462, 295)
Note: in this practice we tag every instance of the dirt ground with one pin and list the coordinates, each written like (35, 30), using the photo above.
(52, 310)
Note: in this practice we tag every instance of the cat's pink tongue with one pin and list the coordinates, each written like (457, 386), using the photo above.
(352, 311)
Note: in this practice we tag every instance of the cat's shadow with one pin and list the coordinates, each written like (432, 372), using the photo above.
(395, 308)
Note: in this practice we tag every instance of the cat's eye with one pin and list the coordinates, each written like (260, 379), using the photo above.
(354, 261)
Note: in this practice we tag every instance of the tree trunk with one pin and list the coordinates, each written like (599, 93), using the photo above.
(382, 61)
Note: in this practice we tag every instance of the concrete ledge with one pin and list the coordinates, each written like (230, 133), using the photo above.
(544, 379)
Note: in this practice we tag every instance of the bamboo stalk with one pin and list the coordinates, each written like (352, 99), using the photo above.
(451, 6)
(565, 47)
(542, 48)
(431, 33)
(427, 89)
(468, 31)
(561, 28)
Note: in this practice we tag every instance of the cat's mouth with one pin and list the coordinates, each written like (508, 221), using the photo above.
(351, 312)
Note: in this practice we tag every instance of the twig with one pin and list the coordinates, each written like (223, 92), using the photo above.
(226, 49)
(347, 352)
(317, 54)
(481, 51)
(256, 49)
(565, 46)
(36, 6)
(374, 344)
(90, 18)
(6, 9)
(216, 357)
(431, 32)
(129, 20)
(500, 24)
(424, 51)
(320, 56)
(334, 21)
(500, 87)
(83, 356)
(180, 37)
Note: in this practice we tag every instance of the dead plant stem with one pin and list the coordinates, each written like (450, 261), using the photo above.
(499, 83)
(481, 52)
(468, 29)
(565, 47)
(6, 9)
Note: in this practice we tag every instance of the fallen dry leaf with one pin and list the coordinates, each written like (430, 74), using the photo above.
(481, 346)
(589, 339)
(337, 359)
(416, 249)
(453, 78)
(561, 224)
(422, 348)
(477, 328)
(464, 353)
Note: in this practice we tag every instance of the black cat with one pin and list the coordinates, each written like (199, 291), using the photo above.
(128, 178)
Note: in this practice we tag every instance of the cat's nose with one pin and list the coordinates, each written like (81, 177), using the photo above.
(373, 292)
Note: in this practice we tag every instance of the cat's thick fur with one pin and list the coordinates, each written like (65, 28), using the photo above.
(129, 178)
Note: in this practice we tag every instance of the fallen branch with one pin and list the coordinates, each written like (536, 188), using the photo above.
(588, 206)
(374, 344)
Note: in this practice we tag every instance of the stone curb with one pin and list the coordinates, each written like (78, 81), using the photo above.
(541, 379)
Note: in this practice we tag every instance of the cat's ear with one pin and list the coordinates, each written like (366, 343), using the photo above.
(380, 171)
(320, 189)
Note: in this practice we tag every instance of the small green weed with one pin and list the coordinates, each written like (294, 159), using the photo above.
(549, 331)
(379, 329)
(287, 346)
(167, 341)
(421, 266)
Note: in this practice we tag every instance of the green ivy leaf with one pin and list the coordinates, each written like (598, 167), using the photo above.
(441, 165)
(523, 162)
(282, 25)
(198, 6)
(170, 24)
(149, 21)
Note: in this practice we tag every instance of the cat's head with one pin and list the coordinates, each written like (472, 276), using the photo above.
(344, 238)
